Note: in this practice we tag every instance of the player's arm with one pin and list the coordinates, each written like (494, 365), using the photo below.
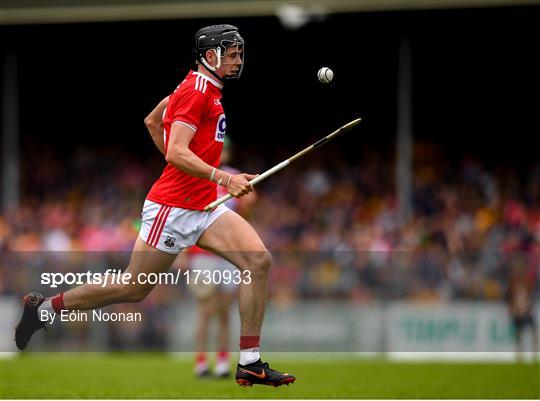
(154, 124)
(180, 156)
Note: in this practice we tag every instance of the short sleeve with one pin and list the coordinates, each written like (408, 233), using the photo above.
(190, 108)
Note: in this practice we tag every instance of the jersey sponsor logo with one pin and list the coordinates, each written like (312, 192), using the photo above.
(220, 128)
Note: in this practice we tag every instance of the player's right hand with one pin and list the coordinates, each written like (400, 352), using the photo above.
(239, 184)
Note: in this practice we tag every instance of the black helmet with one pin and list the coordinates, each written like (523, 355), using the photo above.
(220, 38)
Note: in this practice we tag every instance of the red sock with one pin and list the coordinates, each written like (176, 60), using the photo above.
(250, 342)
(58, 303)
(222, 356)
(200, 357)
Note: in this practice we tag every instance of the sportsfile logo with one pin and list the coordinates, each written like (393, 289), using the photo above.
(118, 277)
(220, 128)
(111, 276)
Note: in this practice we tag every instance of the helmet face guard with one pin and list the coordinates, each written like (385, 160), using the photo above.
(219, 38)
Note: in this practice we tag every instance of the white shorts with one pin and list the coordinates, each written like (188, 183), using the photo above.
(171, 229)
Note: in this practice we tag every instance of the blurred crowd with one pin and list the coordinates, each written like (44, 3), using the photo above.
(331, 222)
(471, 228)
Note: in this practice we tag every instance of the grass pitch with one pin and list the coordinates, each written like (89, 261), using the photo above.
(161, 376)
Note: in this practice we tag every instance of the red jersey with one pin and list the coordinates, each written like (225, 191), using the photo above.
(196, 103)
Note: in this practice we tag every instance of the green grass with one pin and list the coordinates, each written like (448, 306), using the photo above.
(162, 376)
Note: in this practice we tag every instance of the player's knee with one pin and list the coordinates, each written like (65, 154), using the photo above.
(260, 263)
(135, 293)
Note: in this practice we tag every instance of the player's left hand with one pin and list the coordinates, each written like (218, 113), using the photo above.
(239, 184)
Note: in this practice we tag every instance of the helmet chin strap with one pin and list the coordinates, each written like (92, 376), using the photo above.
(211, 69)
